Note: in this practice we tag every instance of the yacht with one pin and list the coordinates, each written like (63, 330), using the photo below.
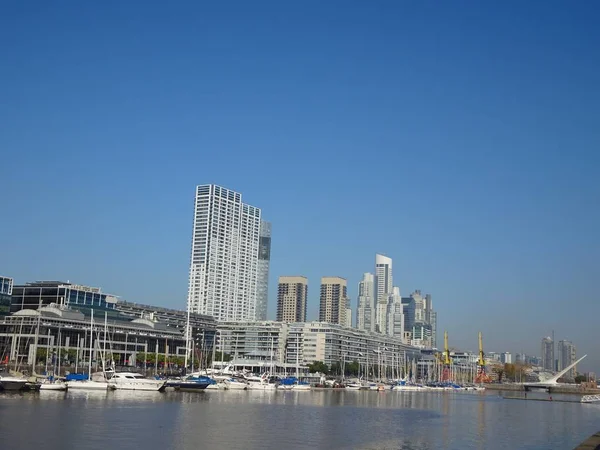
(260, 384)
(52, 385)
(97, 382)
(135, 382)
(8, 383)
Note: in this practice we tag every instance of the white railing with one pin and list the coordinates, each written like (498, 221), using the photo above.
(590, 398)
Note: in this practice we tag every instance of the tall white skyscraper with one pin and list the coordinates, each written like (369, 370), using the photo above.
(365, 311)
(383, 289)
(264, 259)
(225, 253)
(395, 315)
(567, 355)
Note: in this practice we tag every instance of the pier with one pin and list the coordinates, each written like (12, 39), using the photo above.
(592, 443)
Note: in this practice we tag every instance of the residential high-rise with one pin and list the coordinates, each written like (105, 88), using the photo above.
(548, 354)
(264, 258)
(334, 300)
(224, 260)
(567, 355)
(395, 314)
(383, 289)
(292, 293)
(365, 312)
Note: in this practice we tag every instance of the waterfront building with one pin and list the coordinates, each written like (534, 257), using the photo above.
(365, 311)
(258, 346)
(292, 295)
(567, 355)
(548, 354)
(264, 259)
(384, 284)
(43, 293)
(132, 335)
(506, 358)
(333, 300)
(6, 288)
(224, 264)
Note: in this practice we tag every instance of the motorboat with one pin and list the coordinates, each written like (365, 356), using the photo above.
(193, 383)
(8, 383)
(132, 381)
(235, 384)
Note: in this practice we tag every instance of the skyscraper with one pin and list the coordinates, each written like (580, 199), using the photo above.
(395, 326)
(334, 300)
(548, 354)
(567, 355)
(365, 311)
(264, 258)
(224, 260)
(383, 289)
(292, 293)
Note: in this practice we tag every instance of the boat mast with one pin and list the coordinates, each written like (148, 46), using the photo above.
(187, 338)
(104, 345)
(91, 339)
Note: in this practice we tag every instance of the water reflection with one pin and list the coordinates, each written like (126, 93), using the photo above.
(288, 419)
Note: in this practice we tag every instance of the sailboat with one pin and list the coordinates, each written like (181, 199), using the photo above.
(97, 383)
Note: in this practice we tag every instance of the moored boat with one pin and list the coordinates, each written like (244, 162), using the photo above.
(8, 383)
(135, 382)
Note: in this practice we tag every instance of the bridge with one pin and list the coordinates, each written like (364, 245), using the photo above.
(552, 382)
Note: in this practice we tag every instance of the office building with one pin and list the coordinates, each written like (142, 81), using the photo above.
(548, 354)
(43, 293)
(223, 274)
(292, 294)
(365, 312)
(567, 355)
(264, 259)
(334, 300)
(383, 289)
(506, 358)
(6, 287)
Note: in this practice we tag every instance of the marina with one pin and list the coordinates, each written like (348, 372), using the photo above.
(322, 418)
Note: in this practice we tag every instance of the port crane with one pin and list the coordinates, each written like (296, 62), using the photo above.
(482, 376)
(446, 360)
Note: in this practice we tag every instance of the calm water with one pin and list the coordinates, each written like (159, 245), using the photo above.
(290, 420)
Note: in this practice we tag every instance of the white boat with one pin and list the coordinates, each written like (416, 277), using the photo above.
(261, 386)
(234, 384)
(406, 387)
(353, 386)
(301, 387)
(9, 383)
(135, 382)
(48, 385)
(88, 385)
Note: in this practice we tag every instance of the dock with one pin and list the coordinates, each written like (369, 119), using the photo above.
(592, 443)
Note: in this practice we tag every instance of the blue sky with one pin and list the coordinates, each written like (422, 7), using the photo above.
(461, 139)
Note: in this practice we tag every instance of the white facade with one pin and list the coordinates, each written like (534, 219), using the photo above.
(383, 289)
(365, 312)
(395, 315)
(224, 261)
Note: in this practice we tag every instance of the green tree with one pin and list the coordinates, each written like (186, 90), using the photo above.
(318, 366)
(352, 368)
(336, 368)
(580, 379)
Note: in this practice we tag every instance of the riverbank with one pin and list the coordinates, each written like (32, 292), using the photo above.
(591, 443)
(576, 390)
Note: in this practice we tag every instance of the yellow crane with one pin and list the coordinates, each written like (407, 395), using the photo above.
(482, 376)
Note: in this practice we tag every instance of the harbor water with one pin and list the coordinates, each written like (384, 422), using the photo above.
(324, 419)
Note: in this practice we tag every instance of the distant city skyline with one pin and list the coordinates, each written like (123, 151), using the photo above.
(397, 129)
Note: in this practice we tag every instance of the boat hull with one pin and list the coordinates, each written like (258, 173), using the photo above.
(87, 385)
(12, 384)
(53, 387)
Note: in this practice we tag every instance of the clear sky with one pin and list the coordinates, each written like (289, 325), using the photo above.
(462, 139)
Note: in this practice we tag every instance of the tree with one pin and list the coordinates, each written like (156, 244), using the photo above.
(336, 368)
(318, 366)
(580, 379)
(353, 368)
